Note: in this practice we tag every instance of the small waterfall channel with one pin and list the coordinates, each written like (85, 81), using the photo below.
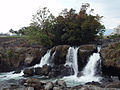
(88, 72)
(71, 59)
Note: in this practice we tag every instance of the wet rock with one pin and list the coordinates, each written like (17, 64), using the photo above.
(30, 88)
(28, 72)
(61, 83)
(57, 88)
(32, 82)
(38, 71)
(78, 87)
(106, 79)
(60, 55)
(84, 52)
(113, 85)
(45, 70)
(17, 71)
(49, 86)
(93, 83)
(22, 81)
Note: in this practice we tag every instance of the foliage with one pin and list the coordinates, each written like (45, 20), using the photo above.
(113, 36)
(10, 53)
(67, 28)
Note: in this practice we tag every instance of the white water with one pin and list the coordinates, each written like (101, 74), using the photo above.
(44, 59)
(71, 59)
(88, 71)
(10, 75)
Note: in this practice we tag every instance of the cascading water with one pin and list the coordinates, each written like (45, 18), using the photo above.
(71, 59)
(44, 59)
(89, 71)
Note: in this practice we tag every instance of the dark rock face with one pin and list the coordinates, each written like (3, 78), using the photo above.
(83, 54)
(38, 71)
(111, 59)
(60, 54)
(53, 72)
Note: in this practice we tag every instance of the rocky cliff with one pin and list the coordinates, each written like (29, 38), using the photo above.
(111, 59)
(15, 54)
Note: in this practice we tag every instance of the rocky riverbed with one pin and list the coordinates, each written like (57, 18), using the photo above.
(36, 84)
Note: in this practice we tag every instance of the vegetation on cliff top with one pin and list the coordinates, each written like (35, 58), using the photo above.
(68, 28)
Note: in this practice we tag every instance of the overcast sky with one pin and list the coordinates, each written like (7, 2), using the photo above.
(18, 13)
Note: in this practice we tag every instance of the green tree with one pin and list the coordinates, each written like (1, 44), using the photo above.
(41, 27)
(67, 28)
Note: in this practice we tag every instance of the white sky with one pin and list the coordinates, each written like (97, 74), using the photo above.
(18, 13)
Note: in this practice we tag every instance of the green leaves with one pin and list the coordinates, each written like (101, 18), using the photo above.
(67, 28)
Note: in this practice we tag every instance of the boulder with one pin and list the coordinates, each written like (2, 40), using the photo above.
(61, 83)
(60, 71)
(30, 88)
(22, 81)
(45, 70)
(113, 85)
(49, 86)
(17, 71)
(38, 71)
(35, 83)
(57, 88)
(28, 72)
(84, 53)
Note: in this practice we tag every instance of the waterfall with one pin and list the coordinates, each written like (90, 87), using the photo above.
(89, 71)
(44, 59)
(71, 59)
